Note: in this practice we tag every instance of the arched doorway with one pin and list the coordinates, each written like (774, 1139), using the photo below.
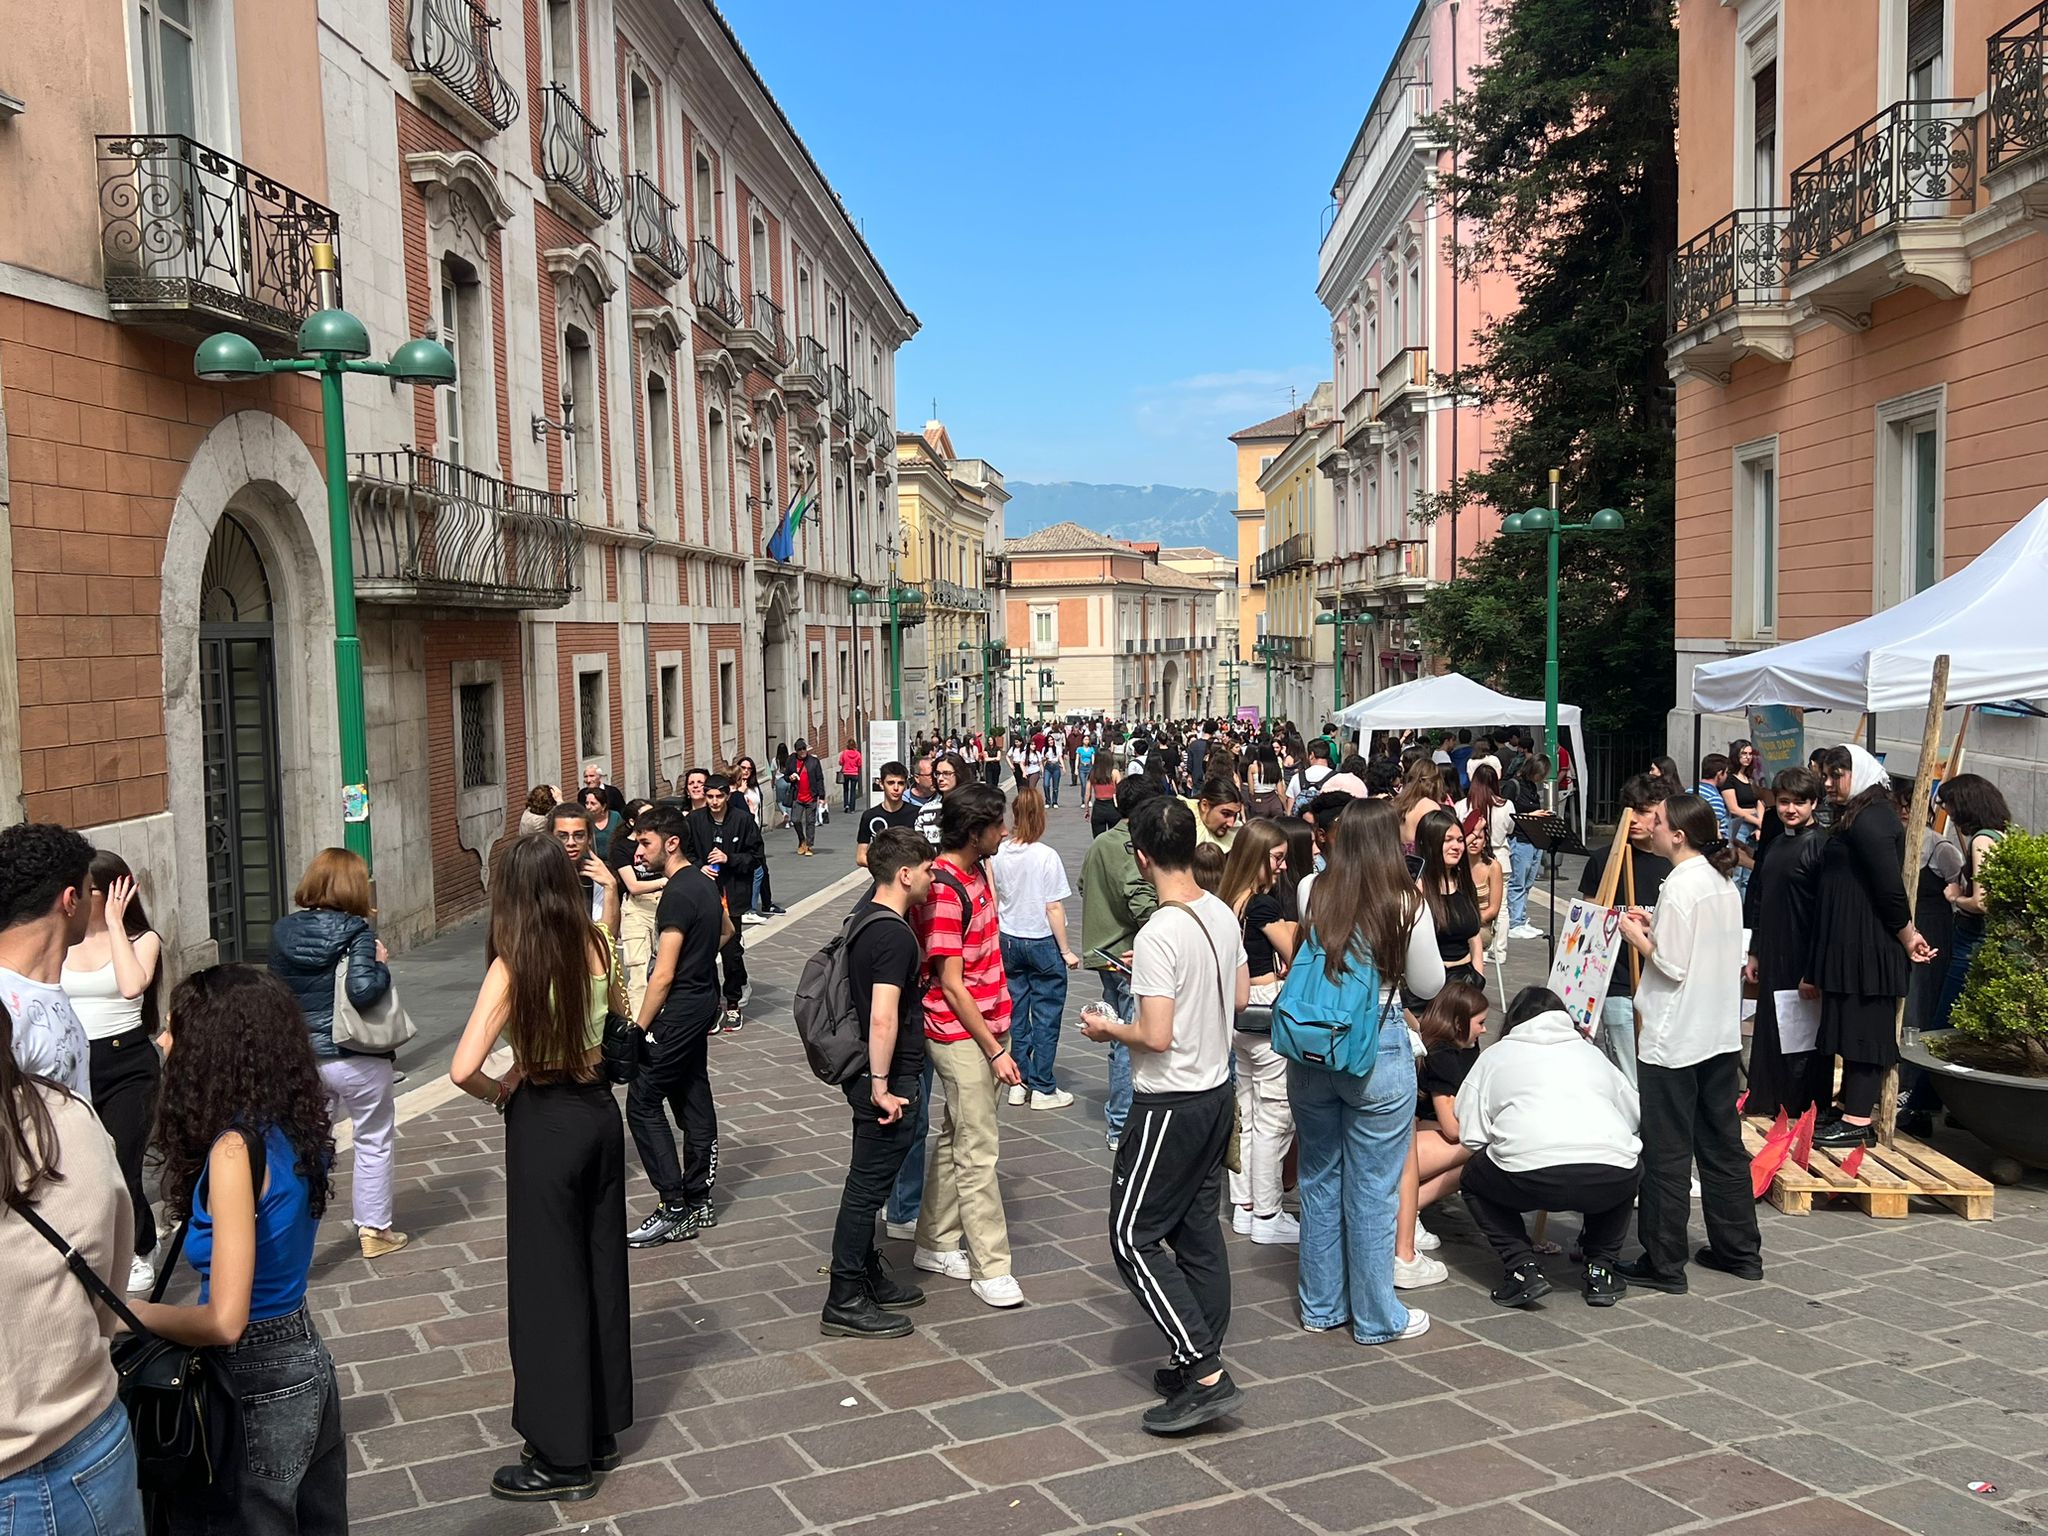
(1169, 692)
(775, 690)
(238, 726)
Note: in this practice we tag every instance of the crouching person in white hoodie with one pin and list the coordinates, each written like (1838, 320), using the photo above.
(1552, 1127)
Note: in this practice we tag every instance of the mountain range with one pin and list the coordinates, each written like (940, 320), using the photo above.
(1165, 514)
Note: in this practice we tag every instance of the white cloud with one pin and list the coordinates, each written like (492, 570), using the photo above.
(1203, 401)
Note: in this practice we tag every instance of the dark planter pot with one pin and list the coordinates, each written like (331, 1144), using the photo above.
(2008, 1114)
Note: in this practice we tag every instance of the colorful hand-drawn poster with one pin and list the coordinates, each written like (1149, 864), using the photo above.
(1588, 942)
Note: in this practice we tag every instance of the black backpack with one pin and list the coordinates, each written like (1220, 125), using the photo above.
(828, 1020)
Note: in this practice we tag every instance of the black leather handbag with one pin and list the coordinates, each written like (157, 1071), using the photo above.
(620, 1048)
(184, 1413)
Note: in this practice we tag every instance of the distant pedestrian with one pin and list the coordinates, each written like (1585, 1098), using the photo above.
(849, 775)
(806, 777)
(1032, 892)
(725, 844)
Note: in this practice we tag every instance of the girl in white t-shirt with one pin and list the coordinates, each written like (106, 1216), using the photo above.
(1031, 895)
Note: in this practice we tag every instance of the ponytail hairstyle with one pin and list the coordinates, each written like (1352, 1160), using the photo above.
(1694, 820)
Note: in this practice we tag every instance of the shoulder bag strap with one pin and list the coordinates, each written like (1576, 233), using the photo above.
(1215, 958)
(76, 1263)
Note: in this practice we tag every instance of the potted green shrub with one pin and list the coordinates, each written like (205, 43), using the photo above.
(1991, 1066)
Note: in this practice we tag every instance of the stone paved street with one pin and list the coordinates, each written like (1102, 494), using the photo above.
(1880, 1369)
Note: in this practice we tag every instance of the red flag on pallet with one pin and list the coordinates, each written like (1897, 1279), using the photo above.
(1802, 1138)
(1853, 1161)
(1770, 1156)
(1741, 1099)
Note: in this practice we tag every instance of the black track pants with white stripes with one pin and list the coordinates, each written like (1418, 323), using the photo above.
(1165, 1195)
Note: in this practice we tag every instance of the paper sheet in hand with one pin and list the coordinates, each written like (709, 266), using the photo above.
(1798, 1021)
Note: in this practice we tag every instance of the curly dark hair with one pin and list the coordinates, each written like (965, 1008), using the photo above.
(240, 1056)
(39, 861)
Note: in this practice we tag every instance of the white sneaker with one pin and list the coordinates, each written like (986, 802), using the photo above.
(1017, 1096)
(952, 1265)
(751, 919)
(1281, 1228)
(1059, 1098)
(903, 1229)
(1418, 1324)
(1426, 1241)
(1422, 1270)
(1241, 1220)
(1525, 931)
(998, 1290)
(141, 1275)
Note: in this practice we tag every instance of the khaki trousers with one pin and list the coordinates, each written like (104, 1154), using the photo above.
(962, 1205)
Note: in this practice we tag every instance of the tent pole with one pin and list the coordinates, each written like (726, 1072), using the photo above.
(1916, 827)
(1870, 729)
(1692, 768)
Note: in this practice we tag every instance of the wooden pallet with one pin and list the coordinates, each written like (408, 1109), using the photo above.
(1884, 1186)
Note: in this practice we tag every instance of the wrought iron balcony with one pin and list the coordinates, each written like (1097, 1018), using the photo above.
(842, 392)
(951, 594)
(428, 531)
(194, 241)
(570, 162)
(2016, 122)
(761, 342)
(1914, 161)
(768, 322)
(717, 295)
(884, 434)
(863, 414)
(1287, 555)
(651, 231)
(995, 572)
(1739, 260)
(448, 49)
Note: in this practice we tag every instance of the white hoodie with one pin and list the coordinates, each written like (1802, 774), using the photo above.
(1547, 1097)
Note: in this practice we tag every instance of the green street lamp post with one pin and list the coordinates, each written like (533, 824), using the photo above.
(1547, 522)
(333, 343)
(989, 650)
(1341, 622)
(897, 597)
(1230, 667)
(1267, 652)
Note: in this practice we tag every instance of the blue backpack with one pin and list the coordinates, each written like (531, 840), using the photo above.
(1334, 1025)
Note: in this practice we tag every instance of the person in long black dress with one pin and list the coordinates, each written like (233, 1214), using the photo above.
(1864, 942)
(1778, 911)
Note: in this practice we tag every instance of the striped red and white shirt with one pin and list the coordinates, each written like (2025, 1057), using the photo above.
(945, 930)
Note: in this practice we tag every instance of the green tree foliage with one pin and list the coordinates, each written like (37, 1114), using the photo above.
(1567, 180)
(2002, 1015)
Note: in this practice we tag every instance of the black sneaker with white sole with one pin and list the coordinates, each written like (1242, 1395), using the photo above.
(1521, 1286)
(667, 1224)
(702, 1215)
(1193, 1405)
(1604, 1285)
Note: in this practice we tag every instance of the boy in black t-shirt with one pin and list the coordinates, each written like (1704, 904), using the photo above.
(893, 811)
(678, 1015)
(885, 966)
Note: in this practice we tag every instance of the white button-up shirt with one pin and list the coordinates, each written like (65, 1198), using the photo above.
(1690, 998)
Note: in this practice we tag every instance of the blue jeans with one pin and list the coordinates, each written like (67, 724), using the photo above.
(1038, 996)
(1962, 949)
(1353, 1134)
(1522, 861)
(906, 1200)
(1617, 1037)
(84, 1488)
(1052, 781)
(1116, 991)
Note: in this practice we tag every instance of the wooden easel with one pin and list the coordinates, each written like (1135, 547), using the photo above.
(1916, 827)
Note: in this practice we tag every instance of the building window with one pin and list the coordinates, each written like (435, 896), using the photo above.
(579, 417)
(760, 256)
(1755, 543)
(1763, 117)
(817, 669)
(167, 48)
(1044, 626)
(558, 40)
(464, 406)
(661, 455)
(715, 451)
(477, 716)
(643, 129)
(593, 740)
(1909, 533)
(804, 324)
(707, 215)
(1926, 26)
(671, 711)
(845, 673)
(726, 713)
(1415, 305)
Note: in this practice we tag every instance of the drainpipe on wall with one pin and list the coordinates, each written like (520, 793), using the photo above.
(12, 807)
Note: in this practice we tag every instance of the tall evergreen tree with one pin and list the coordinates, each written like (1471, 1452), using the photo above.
(1567, 179)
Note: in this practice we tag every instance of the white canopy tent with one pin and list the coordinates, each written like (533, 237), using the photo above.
(1453, 700)
(1986, 618)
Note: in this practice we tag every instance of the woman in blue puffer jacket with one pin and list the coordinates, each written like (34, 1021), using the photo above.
(306, 948)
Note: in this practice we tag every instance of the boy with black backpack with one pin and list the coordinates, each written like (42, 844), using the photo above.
(883, 969)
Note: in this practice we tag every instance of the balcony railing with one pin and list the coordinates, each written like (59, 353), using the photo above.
(1739, 260)
(448, 47)
(995, 572)
(1045, 650)
(196, 240)
(1914, 160)
(1360, 411)
(1284, 556)
(842, 392)
(810, 359)
(2016, 121)
(863, 414)
(651, 229)
(951, 594)
(426, 530)
(1407, 370)
(767, 323)
(569, 156)
(883, 433)
(717, 295)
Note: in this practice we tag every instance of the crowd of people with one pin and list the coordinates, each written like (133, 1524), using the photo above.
(1291, 939)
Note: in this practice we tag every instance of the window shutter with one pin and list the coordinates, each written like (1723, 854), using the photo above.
(1924, 20)
(1764, 89)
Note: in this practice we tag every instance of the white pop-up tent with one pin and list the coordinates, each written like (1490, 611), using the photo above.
(1454, 700)
(1986, 618)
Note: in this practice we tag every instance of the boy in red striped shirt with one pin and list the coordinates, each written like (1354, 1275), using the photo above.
(967, 1034)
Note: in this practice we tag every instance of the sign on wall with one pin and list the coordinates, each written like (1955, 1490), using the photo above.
(886, 744)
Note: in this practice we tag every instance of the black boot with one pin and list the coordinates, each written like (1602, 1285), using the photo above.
(887, 1290)
(605, 1455)
(851, 1313)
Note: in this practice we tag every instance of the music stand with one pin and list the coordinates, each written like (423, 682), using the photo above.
(1554, 835)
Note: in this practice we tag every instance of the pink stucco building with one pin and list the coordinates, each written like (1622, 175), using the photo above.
(1400, 319)
(1859, 323)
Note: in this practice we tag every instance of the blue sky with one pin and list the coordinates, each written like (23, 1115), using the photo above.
(1105, 215)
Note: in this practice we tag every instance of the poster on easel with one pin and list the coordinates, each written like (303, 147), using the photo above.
(1588, 944)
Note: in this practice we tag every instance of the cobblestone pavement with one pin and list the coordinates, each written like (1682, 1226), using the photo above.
(1880, 1369)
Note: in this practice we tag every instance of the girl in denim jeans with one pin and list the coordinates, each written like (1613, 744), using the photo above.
(248, 1153)
(1354, 1132)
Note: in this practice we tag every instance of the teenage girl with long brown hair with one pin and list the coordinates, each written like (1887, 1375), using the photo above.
(1249, 887)
(547, 989)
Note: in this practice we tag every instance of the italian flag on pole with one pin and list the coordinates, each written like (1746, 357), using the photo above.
(782, 542)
